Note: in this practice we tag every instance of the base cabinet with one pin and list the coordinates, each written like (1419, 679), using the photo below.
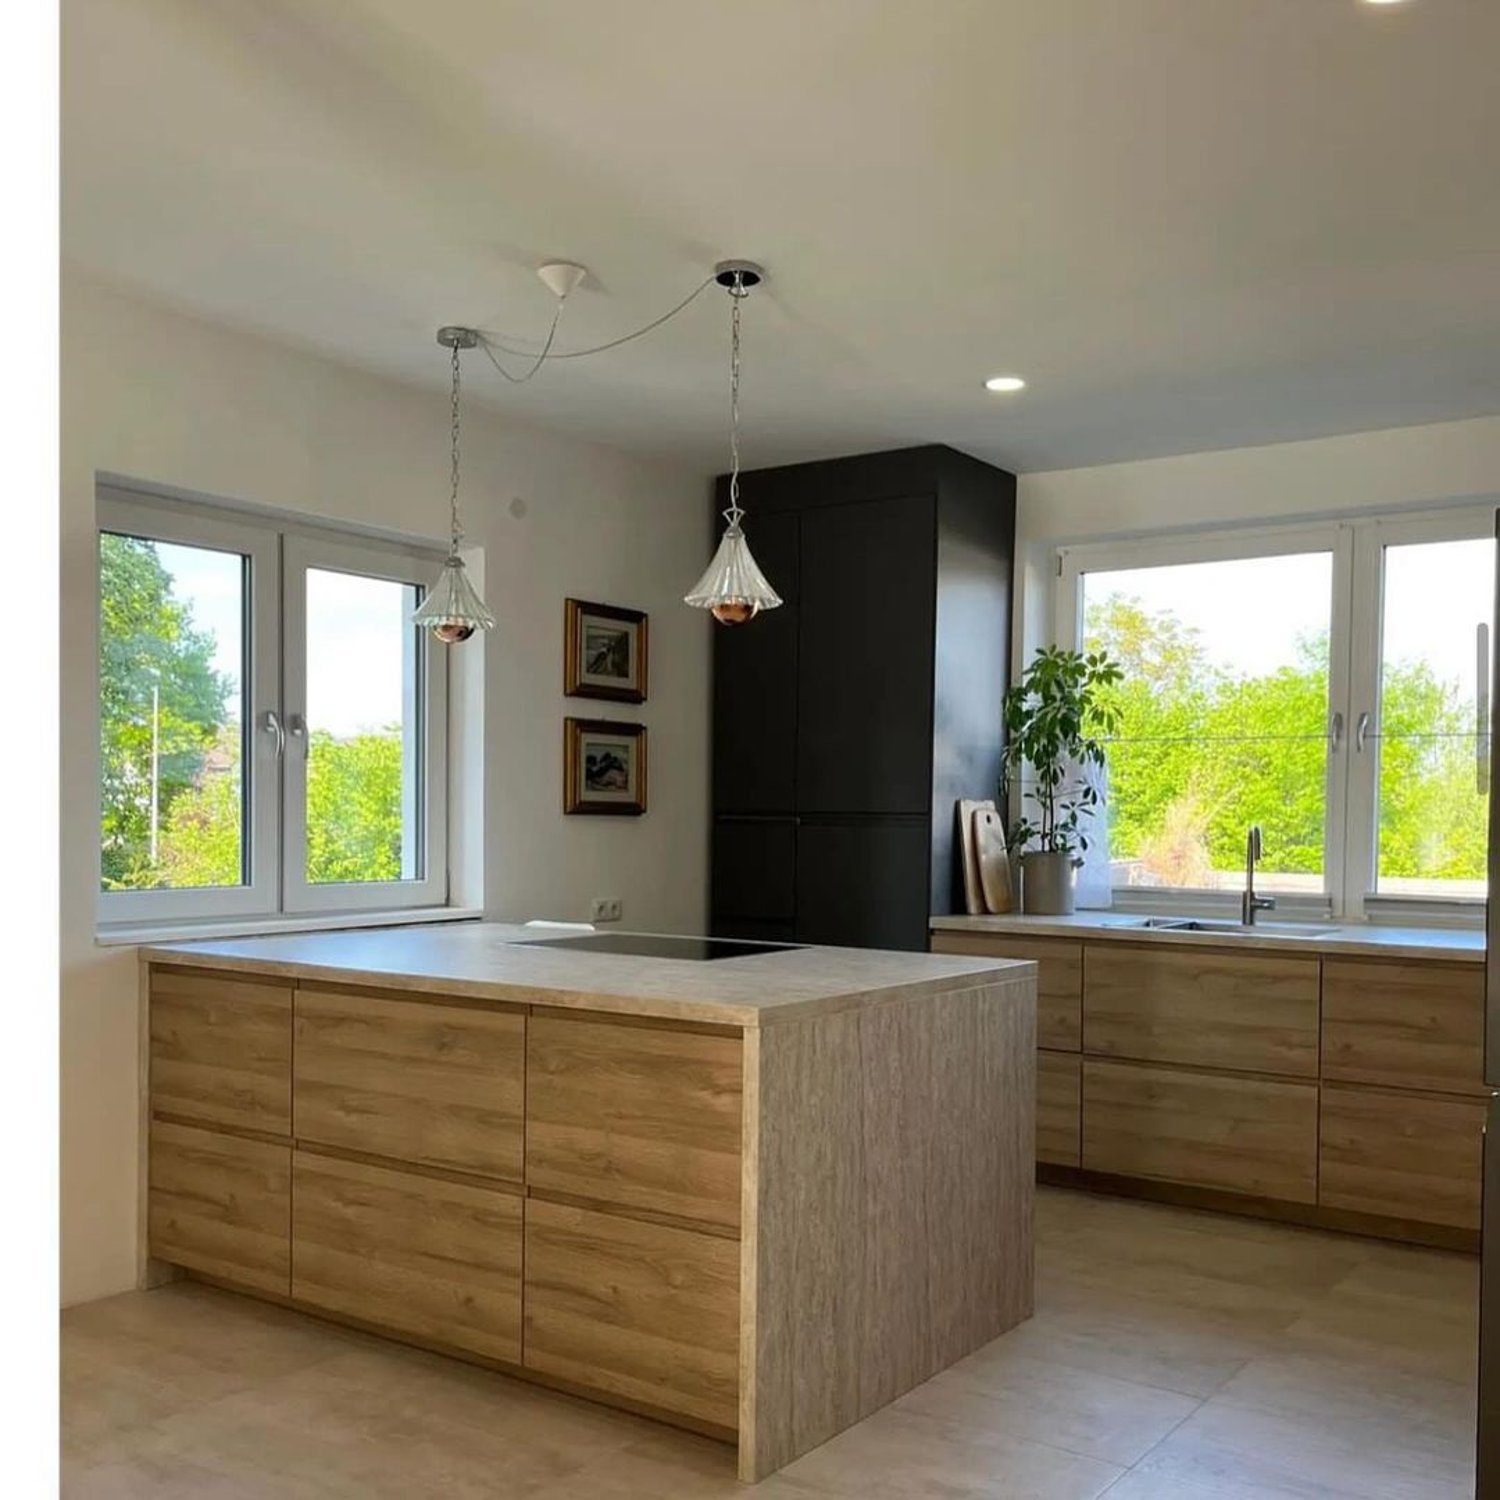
(220, 1205)
(1417, 1157)
(1238, 1134)
(1325, 1088)
(648, 1312)
(436, 1259)
(1057, 1108)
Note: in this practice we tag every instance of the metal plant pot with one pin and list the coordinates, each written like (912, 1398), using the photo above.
(1047, 883)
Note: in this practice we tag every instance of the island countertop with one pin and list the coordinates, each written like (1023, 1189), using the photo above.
(498, 961)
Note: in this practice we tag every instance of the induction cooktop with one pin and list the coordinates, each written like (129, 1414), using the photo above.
(651, 945)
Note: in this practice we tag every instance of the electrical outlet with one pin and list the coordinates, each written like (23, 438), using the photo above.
(606, 909)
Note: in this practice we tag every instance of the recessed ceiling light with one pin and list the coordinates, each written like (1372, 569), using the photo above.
(1384, 2)
(1005, 383)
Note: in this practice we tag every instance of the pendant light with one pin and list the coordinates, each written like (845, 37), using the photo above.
(734, 589)
(453, 610)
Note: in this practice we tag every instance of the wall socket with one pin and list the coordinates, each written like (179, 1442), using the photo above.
(605, 909)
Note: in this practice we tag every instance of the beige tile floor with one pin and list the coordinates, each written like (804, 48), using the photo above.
(1173, 1354)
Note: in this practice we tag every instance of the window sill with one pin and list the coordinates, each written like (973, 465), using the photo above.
(181, 932)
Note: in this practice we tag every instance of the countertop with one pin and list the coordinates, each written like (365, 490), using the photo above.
(1461, 945)
(485, 960)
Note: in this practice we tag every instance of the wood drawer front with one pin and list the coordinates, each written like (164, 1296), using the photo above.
(1057, 1107)
(437, 1259)
(638, 1116)
(1247, 1011)
(433, 1083)
(1404, 1155)
(1059, 979)
(1417, 1026)
(646, 1311)
(221, 1204)
(221, 1050)
(1243, 1135)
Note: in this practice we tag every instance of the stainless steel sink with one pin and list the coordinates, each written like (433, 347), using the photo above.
(1224, 924)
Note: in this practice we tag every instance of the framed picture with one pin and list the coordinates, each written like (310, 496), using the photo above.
(604, 767)
(606, 652)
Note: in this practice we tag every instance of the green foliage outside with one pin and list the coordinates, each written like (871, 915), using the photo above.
(1200, 755)
(147, 638)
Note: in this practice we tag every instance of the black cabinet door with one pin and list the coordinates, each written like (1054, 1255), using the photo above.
(862, 882)
(864, 707)
(755, 868)
(755, 685)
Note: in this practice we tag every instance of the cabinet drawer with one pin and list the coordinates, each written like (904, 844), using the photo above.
(635, 1115)
(1059, 979)
(1417, 1026)
(428, 1082)
(648, 1312)
(1057, 1107)
(436, 1259)
(1243, 1135)
(1408, 1156)
(221, 1050)
(220, 1204)
(1252, 1012)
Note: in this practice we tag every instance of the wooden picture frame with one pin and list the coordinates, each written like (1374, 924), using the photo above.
(604, 767)
(605, 651)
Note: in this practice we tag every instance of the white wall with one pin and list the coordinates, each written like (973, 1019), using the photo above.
(1444, 462)
(157, 396)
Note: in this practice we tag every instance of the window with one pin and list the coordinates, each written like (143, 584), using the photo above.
(1327, 683)
(272, 726)
(1224, 714)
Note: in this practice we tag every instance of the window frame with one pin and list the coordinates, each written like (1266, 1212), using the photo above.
(275, 647)
(1355, 618)
(159, 519)
(1361, 895)
(302, 551)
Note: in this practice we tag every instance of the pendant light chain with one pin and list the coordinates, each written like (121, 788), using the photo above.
(734, 514)
(457, 529)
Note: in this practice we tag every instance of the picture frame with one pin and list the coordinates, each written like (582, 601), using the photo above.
(605, 651)
(604, 767)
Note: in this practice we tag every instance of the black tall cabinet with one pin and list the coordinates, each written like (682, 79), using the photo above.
(846, 723)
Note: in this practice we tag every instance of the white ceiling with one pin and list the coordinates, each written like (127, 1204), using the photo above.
(1189, 223)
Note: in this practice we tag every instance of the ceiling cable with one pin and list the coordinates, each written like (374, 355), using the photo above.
(490, 342)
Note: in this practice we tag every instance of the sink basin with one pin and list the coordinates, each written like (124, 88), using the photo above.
(1225, 924)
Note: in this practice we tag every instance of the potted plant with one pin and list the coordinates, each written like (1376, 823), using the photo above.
(1055, 719)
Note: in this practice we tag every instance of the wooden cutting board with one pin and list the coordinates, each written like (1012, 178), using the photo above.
(968, 855)
(994, 860)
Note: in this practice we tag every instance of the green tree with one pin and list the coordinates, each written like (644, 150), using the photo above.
(1200, 755)
(147, 640)
(202, 841)
(354, 806)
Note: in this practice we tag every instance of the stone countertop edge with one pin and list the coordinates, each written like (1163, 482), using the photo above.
(745, 992)
(1356, 940)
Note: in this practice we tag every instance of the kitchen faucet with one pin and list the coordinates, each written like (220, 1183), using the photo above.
(1250, 903)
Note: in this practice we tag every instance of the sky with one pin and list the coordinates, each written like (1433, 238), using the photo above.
(355, 626)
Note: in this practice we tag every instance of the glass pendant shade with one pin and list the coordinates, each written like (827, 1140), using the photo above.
(733, 588)
(453, 610)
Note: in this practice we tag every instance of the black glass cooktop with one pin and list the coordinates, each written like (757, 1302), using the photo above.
(649, 945)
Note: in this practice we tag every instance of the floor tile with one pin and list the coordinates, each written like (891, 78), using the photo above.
(1012, 1394)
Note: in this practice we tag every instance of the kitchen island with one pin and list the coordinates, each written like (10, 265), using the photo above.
(759, 1193)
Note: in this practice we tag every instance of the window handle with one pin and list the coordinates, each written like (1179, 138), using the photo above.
(1335, 732)
(271, 724)
(1361, 732)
